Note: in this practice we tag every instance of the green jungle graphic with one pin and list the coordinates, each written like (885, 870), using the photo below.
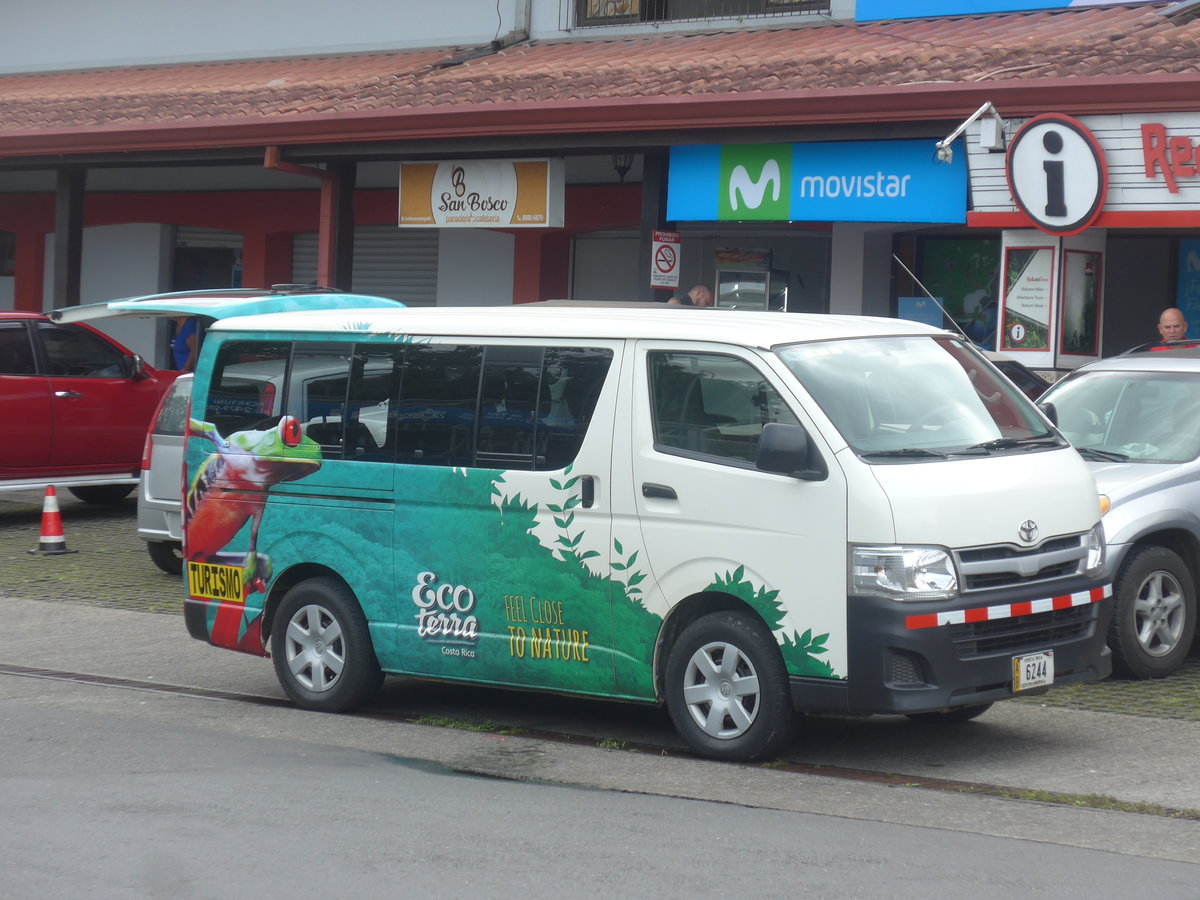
(799, 653)
(457, 583)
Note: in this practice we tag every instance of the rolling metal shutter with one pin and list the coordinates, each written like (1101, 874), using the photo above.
(388, 262)
(187, 236)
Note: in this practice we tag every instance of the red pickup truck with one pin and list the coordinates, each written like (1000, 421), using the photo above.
(74, 408)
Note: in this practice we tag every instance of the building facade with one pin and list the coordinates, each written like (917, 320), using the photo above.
(788, 153)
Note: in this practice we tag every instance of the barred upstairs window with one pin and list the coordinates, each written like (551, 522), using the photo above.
(619, 12)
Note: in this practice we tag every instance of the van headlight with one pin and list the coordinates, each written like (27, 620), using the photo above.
(903, 573)
(1094, 567)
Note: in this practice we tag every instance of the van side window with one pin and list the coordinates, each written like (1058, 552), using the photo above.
(712, 405)
(315, 392)
(571, 381)
(435, 412)
(508, 399)
(245, 393)
(497, 406)
(374, 376)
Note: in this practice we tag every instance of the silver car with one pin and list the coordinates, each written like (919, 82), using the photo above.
(162, 479)
(1136, 419)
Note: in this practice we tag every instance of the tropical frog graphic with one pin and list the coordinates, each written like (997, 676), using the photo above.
(229, 491)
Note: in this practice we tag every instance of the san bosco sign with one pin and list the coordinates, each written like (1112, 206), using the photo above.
(504, 193)
(848, 181)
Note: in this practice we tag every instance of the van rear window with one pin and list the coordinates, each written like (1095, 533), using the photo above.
(244, 393)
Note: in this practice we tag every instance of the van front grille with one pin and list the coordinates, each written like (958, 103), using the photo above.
(1007, 565)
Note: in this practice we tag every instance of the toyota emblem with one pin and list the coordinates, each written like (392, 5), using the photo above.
(1028, 531)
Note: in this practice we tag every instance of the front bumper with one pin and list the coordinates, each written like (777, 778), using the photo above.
(922, 657)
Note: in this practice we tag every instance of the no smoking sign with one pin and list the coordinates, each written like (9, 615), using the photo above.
(664, 272)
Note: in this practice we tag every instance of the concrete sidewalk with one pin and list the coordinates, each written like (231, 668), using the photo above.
(1021, 745)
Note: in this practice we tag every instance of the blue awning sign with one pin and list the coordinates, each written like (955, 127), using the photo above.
(848, 181)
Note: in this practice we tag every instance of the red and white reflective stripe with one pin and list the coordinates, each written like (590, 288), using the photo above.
(1007, 610)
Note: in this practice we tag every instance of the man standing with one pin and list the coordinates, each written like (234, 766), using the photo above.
(700, 295)
(1172, 326)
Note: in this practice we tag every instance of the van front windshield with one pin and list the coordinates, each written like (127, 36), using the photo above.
(916, 397)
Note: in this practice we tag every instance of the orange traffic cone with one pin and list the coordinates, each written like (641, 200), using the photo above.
(51, 541)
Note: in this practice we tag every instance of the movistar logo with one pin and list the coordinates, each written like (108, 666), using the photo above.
(755, 182)
(751, 191)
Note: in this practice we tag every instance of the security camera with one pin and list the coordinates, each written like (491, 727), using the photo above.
(991, 136)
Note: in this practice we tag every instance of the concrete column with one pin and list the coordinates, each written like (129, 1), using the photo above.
(30, 267)
(266, 258)
(68, 237)
(860, 280)
(654, 208)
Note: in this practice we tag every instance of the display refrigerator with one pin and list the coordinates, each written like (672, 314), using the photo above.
(752, 289)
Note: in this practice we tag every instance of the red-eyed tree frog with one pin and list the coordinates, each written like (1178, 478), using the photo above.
(230, 489)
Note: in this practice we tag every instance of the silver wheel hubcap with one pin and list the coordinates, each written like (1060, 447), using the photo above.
(721, 690)
(1159, 614)
(314, 648)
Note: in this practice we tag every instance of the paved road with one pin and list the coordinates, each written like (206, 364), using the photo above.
(122, 795)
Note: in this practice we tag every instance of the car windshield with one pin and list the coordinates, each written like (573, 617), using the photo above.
(916, 397)
(1143, 416)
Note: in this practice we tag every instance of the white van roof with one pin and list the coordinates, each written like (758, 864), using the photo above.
(550, 321)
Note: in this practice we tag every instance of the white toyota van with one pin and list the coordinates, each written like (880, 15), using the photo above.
(735, 514)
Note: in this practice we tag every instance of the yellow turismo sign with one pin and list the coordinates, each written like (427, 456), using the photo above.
(492, 193)
(212, 582)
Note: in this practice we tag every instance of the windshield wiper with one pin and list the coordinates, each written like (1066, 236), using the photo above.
(1010, 443)
(1106, 455)
(904, 452)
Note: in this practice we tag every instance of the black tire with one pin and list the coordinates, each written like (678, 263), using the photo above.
(951, 716)
(716, 706)
(321, 647)
(1154, 617)
(102, 493)
(167, 555)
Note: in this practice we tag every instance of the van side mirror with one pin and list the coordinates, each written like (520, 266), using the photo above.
(786, 450)
(1050, 412)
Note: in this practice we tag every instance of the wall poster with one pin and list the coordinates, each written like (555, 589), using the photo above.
(964, 273)
(1028, 293)
(1079, 332)
(1187, 296)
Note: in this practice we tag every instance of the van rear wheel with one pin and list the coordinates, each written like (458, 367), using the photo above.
(727, 688)
(321, 647)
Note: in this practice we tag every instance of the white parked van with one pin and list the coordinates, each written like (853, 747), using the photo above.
(735, 514)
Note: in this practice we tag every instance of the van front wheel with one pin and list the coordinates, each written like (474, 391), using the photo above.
(727, 688)
(321, 648)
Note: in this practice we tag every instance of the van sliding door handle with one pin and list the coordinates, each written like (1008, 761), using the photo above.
(588, 485)
(659, 490)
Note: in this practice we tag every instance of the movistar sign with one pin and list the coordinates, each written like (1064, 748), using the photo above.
(852, 181)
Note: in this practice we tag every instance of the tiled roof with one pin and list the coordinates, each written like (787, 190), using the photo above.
(1080, 43)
